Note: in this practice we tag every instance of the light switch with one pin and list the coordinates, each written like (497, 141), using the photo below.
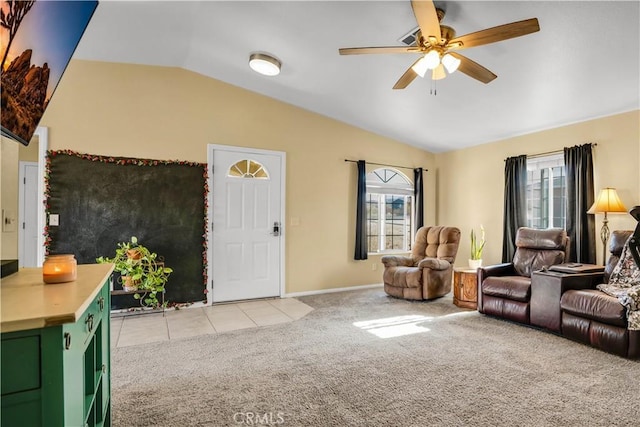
(54, 219)
(9, 220)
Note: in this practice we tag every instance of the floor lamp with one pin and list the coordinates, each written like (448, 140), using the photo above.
(607, 202)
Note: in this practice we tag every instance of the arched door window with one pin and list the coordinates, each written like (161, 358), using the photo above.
(246, 168)
(389, 211)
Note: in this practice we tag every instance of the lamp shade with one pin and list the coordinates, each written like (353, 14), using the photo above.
(438, 73)
(607, 201)
(420, 67)
(432, 59)
(450, 62)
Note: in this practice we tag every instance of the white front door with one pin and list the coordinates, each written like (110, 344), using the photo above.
(246, 211)
(28, 215)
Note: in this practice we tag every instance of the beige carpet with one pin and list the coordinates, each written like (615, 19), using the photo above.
(348, 364)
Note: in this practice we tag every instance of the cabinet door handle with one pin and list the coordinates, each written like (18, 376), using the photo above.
(67, 340)
(89, 322)
(104, 368)
(101, 303)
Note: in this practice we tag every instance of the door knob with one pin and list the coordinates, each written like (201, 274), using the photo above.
(276, 228)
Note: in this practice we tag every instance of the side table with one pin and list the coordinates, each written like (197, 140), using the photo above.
(547, 288)
(465, 288)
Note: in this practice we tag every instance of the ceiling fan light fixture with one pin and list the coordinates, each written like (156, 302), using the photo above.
(450, 62)
(264, 64)
(420, 67)
(432, 59)
(438, 73)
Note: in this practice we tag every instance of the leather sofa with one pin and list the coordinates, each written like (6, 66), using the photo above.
(595, 318)
(428, 272)
(504, 290)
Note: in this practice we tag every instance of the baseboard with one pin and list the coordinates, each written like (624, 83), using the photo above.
(327, 291)
(124, 312)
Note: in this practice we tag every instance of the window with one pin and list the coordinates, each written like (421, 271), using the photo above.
(389, 211)
(546, 191)
(248, 169)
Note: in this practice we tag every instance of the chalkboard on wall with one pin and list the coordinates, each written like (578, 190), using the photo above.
(102, 201)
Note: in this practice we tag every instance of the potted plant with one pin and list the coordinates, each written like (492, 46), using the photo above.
(140, 270)
(476, 249)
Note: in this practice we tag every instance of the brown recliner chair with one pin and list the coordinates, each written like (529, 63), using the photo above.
(504, 290)
(428, 273)
(595, 318)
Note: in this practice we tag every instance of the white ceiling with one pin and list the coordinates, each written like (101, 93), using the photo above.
(584, 63)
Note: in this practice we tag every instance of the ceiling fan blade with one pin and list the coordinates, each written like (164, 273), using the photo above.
(496, 34)
(381, 49)
(425, 13)
(407, 77)
(473, 69)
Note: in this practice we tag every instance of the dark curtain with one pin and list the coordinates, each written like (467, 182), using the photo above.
(418, 196)
(361, 213)
(580, 226)
(515, 183)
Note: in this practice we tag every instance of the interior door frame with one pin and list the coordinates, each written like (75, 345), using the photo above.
(22, 166)
(211, 148)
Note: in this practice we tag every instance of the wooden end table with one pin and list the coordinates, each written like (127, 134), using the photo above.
(465, 288)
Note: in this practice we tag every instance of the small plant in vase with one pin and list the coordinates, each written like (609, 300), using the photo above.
(140, 270)
(476, 249)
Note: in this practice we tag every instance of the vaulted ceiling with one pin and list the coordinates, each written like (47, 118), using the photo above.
(582, 64)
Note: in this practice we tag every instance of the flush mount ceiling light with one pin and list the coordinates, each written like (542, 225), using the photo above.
(264, 64)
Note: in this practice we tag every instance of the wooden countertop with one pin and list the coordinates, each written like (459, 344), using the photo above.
(26, 302)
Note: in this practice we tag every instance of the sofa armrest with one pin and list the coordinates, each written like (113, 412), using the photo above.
(397, 261)
(434, 264)
(504, 269)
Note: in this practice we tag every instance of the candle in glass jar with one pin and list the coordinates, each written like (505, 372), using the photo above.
(59, 269)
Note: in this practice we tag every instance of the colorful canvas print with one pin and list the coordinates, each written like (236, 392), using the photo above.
(37, 40)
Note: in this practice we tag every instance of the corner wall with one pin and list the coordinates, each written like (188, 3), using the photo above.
(9, 197)
(168, 113)
(471, 181)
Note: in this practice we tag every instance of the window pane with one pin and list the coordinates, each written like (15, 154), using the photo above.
(544, 198)
(546, 192)
(247, 169)
(559, 192)
(373, 225)
(373, 243)
(409, 222)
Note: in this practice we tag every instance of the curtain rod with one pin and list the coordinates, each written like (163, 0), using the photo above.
(382, 164)
(548, 153)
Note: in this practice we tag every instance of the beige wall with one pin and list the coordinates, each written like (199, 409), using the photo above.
(13, 153)
(169, 113)
(471, 181)
(30, 152)
(9, 197)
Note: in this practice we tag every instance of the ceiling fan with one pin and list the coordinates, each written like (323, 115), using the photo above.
(438, 45)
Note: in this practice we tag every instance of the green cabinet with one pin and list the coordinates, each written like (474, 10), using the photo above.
(59, 375)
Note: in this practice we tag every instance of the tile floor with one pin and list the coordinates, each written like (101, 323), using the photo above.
(189, 322)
